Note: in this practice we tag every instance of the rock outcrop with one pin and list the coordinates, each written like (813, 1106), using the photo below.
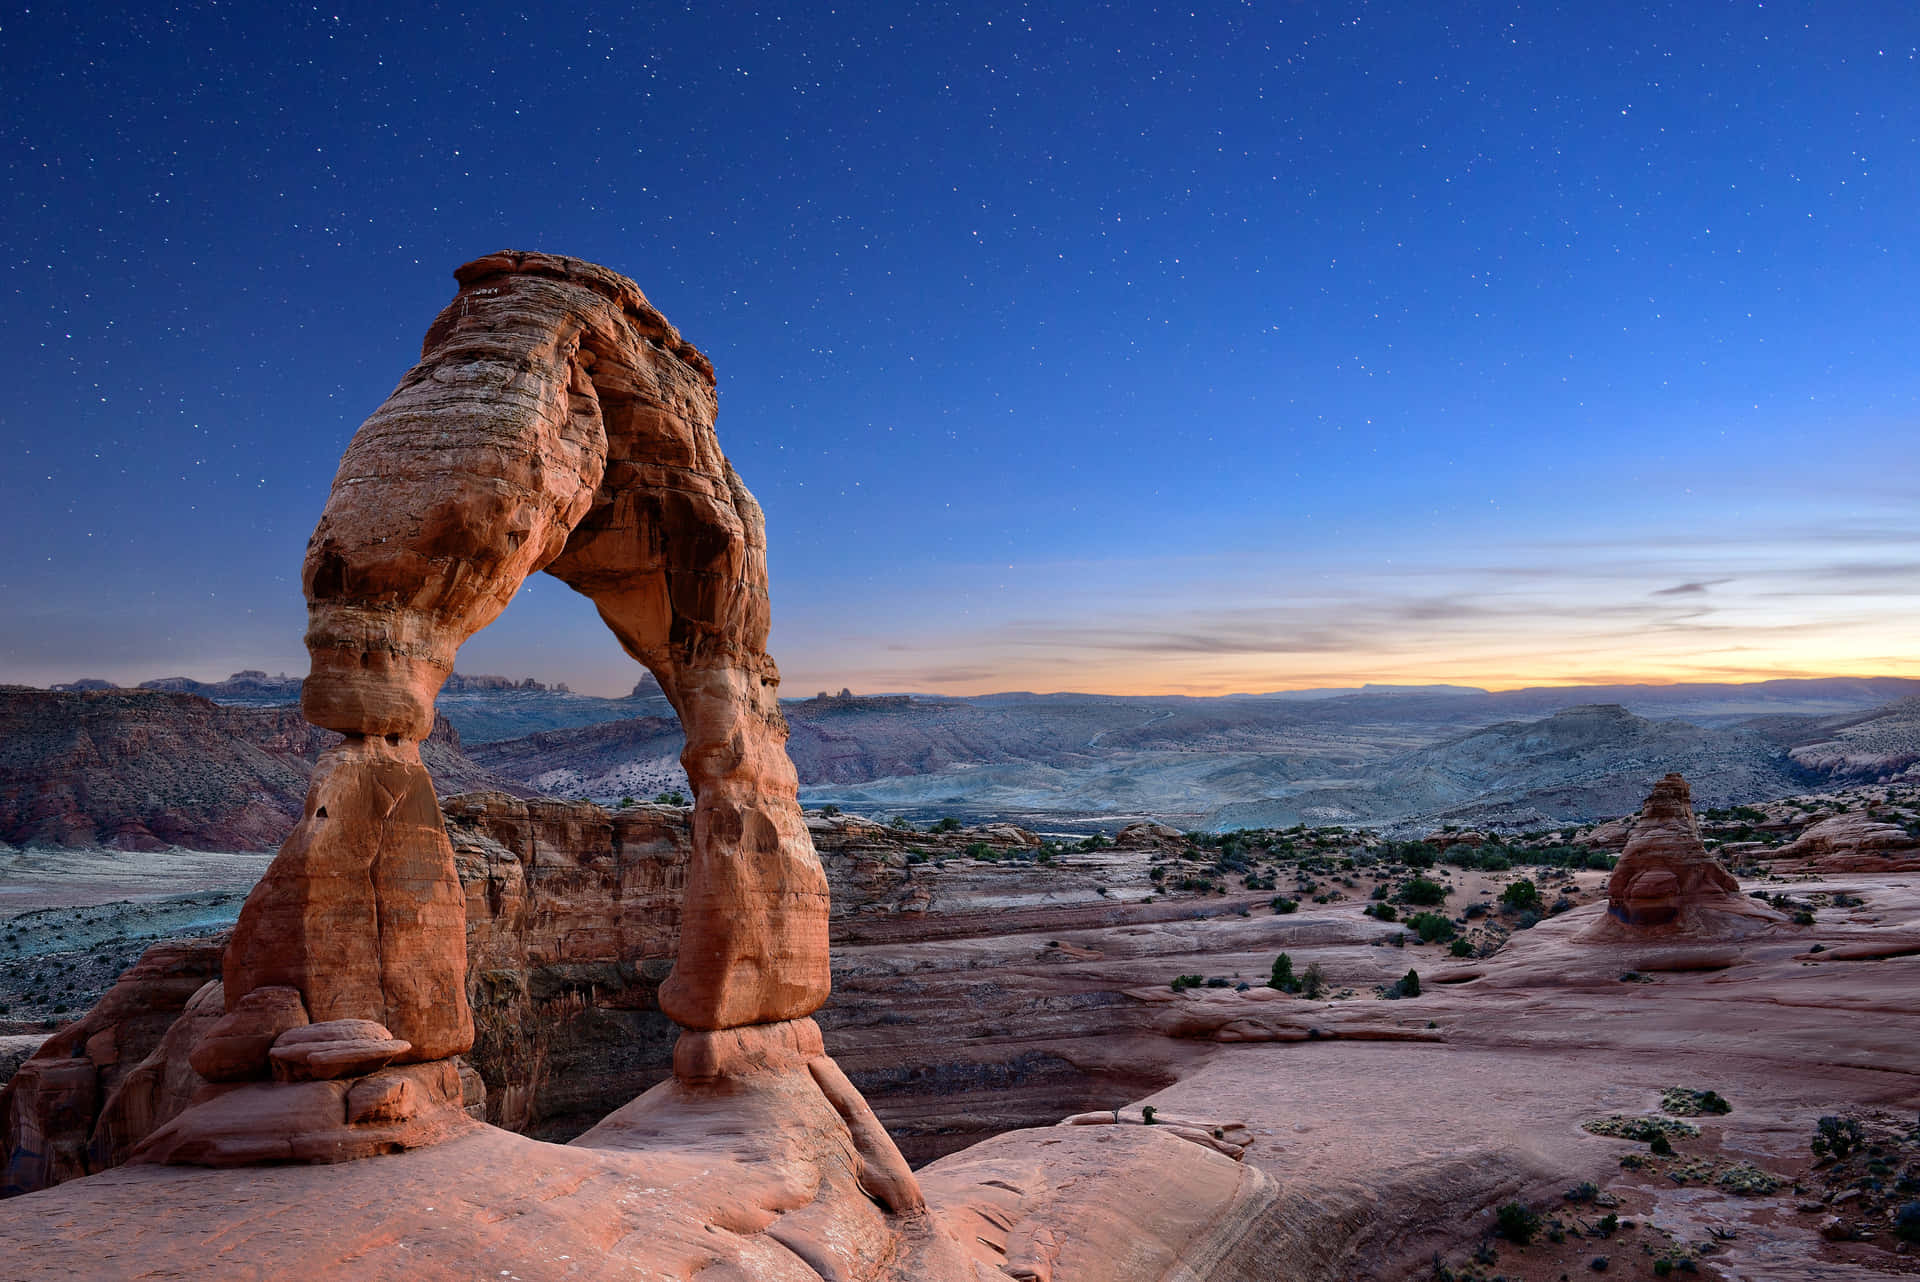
(1666, 882)
(1852, 842)
(64, 1113)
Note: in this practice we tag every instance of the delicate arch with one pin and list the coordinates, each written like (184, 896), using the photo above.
(555, 421)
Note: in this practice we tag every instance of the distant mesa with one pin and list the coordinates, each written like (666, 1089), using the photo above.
(458, 684)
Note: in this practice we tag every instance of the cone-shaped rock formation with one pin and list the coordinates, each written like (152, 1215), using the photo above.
(1666, 885)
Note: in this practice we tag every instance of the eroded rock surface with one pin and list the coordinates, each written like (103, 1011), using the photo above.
(1854, 842)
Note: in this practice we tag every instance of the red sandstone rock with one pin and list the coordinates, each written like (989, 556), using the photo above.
(557, 421)
(163, 1086)
(1664, 866)
(336, 1048)
(314, 1121)
(49, 1107)
(1666, 884)
(235, 1048)
(1854, 842)
(1146, 834)
(362, 912)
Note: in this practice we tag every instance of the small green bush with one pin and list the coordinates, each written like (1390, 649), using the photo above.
(1516, 1223)
(1836, 1137)
(1682, 1102)
(1460, 948)
(1522, 895)
(1423, 892)
(1282, 905)
(1431, 927)
(947, 823)
(1313, 984)
(1283, 977)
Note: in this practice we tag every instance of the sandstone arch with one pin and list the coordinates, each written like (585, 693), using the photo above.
(557, 422)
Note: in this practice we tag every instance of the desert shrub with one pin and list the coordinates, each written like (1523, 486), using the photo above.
(901, 823)
(1146, 1114)
(1836, 1137)
(1423, 892)
(828, 810)
(981, 850)
(1186, 981)
(1382, 912)
(1522, 894)
(1218, 981)
(1433, 928)
(1660, 1146)
(1682, 1102)
(1584, 1191)
(1408, 985)
(1906, 1222)
(1559, 905)
(1314, 982)
(1282, 905)
(1516, 1223)
(1748, 1180)
(1639, 1129)
(1460, 948)
(1600, 861)
(625, 802)
(946, 823)
(1283, 977)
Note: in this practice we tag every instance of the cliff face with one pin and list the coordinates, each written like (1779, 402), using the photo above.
(148, 769)
(573, 916)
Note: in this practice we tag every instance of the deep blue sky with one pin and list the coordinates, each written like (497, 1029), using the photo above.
(1096, 346)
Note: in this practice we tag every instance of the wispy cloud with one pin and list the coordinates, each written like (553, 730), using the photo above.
(1698, 586)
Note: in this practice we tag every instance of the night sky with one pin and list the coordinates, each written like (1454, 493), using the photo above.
(1099, 347)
